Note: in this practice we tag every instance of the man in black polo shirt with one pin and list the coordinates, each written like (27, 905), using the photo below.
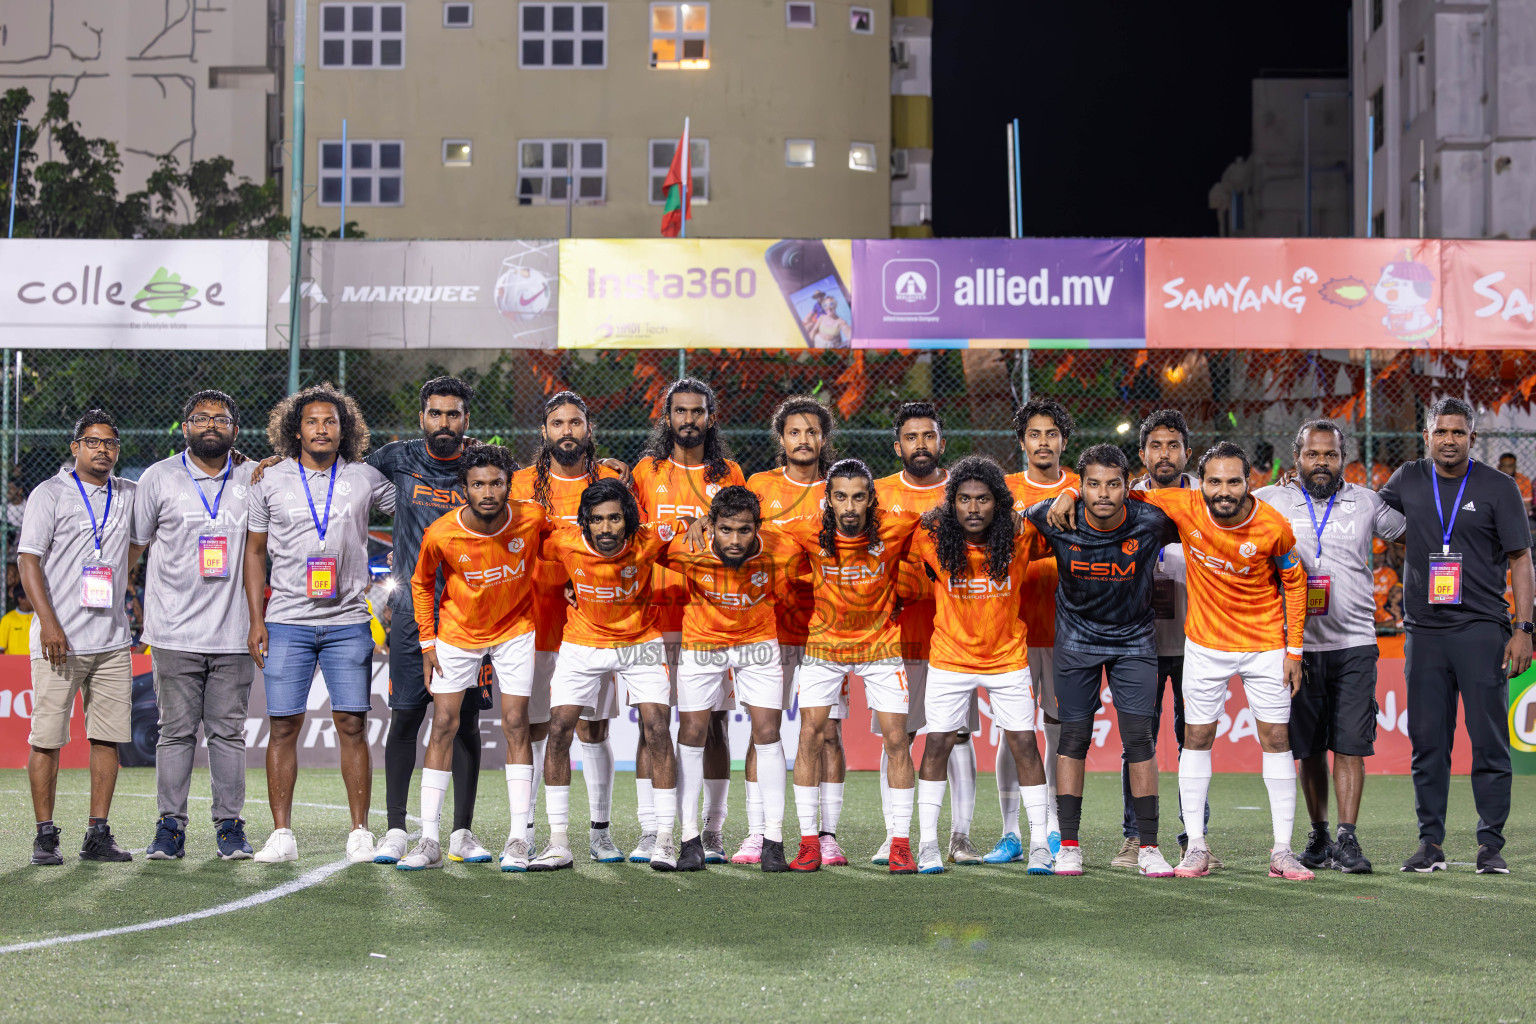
(1466, 522)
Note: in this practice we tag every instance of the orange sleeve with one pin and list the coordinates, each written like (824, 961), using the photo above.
(424, 588)
(1293, 581)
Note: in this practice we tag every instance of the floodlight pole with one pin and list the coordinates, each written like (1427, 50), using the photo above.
(15, 168)
(296, 202)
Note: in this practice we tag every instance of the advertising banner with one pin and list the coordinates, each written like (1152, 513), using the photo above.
(368, 294)
(1522, 722)
(1269, 293)
(997, 292)
(133, 294)
(706, 293)
(1490, 294)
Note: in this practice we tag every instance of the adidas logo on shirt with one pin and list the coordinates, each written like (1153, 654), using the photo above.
(1469, 507)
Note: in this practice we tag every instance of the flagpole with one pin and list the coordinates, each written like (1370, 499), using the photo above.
(687, 180)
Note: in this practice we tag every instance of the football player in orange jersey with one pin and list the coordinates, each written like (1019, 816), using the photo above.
(682, 465)
(803, 428)
(1043, 428)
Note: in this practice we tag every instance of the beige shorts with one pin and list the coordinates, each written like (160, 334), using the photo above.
(105, 680)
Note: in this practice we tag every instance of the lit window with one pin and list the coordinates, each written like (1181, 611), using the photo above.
(661, 151)
(373, 173)
(861, 20)
(458, 15)
(799, 152)
(457, 152)
(861, 156)
(800, 15)
(563, 35)
(680, 36)
(362, 35)
(549, 168)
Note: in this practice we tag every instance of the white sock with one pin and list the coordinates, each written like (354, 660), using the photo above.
(1052, 744)
(901, 812)
(665, 809)
(885, 792)
(519, 798)
(755, 808)
(1194, 786)
(597, 772)
(1280, 780)
(832, 805)
(716, 792)
(538, 778)
(690, 777)
(1037, 801)
(930, 800)
(962, 787)
(770, 786)
(1007, 775)
(434, 787)
(807, 801)
(645, 805)
(557, 806)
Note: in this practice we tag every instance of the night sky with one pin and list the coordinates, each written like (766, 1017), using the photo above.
(1129, 112)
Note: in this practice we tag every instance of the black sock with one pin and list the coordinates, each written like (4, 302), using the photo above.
(1069, 810)
(1146, 818)
(599, 824)
(44, 826)
(467, 747)
(1320, 826)
(832, 834)
(1345, 827)
(93, 821)
(400, 761)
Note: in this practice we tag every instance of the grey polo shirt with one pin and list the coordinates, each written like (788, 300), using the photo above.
(57, 529)
(183, 609)
(1168, 571)
(279, 508)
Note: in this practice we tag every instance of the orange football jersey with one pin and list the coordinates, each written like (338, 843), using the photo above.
(898, 494)
(613, 593)
(1037, 604)
(730, 605)
(976, 624)
(783, 499)
(667, 490)
(1382, 582)
(488, 594)
(549, 578)
(1235, 587)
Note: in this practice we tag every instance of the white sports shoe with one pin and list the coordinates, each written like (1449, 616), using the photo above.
(360, 846)
(280, 847)
(514, 856)
(642, 854)
(428, 854)
(883, 855)
(1069, 861)
(1151, 863)
(552, 859)
(929, 860)
(602, 848)
(464, 848)
(392, 847)
(714, 848)
(1040, 860)
(664, 854)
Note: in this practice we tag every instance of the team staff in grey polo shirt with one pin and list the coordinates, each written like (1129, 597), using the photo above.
(310, 514)
(75, 556)
(1335, 709)
(190, 512)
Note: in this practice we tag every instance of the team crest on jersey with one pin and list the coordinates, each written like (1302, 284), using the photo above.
(344, 487)
(240, 491)
(1248, 549)
(1129, 547)
(628, 571)
(710, 490)
(515, 545)
(878, 547)
(759, 579)
(665, 531)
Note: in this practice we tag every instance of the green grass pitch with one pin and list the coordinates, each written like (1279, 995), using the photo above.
(623, 942)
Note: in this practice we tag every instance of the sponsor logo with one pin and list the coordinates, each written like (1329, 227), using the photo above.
(1522, 721)
(734, 600)
(629, 572)
(994, 286)
(521, 293)
(1101, 570)
(877, 548)
(495, 574)
(515, 545)
(1469, 507)
(1517, 304)
(164, 294)
(759, 579)
(984, 586)
(665, 532)
(617, 593)
(910, 287)
(414, 294)
(1217, 564)
(706, 578)
(241, 491)
(1129, 547)
(344, 487)
(421, 494)
(674, 511)
(1248, 549)
(1196, 535)
(710, 490)
(580, 573)
(852, 573)
(463, 558)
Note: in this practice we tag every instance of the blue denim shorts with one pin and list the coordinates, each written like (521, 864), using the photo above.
(344, 655)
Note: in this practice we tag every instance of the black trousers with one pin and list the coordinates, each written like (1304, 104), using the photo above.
(1439, 666)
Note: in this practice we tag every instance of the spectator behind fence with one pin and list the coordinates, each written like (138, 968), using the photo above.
(16, 624)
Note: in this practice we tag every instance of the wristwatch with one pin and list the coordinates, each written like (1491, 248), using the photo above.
(1526, 627)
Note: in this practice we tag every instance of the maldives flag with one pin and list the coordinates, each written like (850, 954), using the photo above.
(677, 190)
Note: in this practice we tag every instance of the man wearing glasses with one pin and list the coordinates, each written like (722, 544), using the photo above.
(75, 556)
(190, 512)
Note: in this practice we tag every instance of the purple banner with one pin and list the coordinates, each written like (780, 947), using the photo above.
(999, 292)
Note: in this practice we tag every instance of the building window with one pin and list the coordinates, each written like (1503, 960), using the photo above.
(362, 35)
(800, 15)
(799, 152)
(1377, 14)
(1377, 110)
(458, 152)
(861, 20)
(458, 15)
(861, 156)
(374, 172)
(563, 35)
(680, 37)
(547, 167)
(661, 151)
(1379, 225)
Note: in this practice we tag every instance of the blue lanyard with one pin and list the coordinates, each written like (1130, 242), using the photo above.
(1434, 485)
(320, 524)
(213, 513)
(95, 534)
(1317, 527)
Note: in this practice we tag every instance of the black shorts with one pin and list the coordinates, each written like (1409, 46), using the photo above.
(1336, 706)
(1079, 676)
(407, 686)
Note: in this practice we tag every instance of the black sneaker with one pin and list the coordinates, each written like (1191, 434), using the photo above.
(100, 845)
(1491, 862)
(1319, 851)
(1428, 858)
(170, 841)
(691, 856)
(1348, 857)
(772, 857)
(45, 848)
(232, 842)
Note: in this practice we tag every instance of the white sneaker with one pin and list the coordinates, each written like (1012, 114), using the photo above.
(883, 855)
(664, 855)
(360, 846)
(514, 856)
(714, 848)
(392, 847)
(929, 860)
(642, 854)
(1151, 863)
(1040, 860)
(602, 847)
(1069, 861)
(280, 847)
(428, 854)
(552, 859)
(464, 848)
